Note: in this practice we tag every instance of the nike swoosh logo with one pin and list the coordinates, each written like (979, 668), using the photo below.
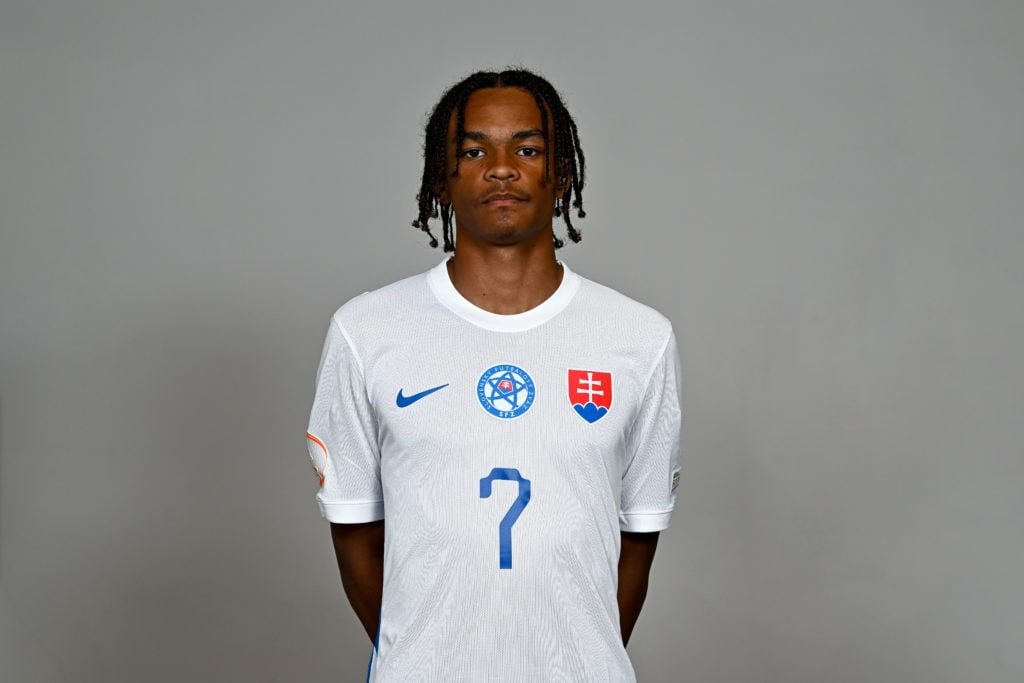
(403, 401)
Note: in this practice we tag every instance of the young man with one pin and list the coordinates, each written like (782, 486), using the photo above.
(496, 440)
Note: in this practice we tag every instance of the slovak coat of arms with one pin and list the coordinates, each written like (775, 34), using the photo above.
(590, 393)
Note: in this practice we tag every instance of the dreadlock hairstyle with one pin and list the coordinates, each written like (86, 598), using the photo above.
(567, 156)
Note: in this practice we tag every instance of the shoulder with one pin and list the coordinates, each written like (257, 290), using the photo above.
(382, 305)
(608, 307)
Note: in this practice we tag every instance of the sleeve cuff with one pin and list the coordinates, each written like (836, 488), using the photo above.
(353, 512)
(644, 522)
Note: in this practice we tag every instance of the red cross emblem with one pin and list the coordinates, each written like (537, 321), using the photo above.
(590, 393)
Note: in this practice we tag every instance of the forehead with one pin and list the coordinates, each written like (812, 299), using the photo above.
(499, 110)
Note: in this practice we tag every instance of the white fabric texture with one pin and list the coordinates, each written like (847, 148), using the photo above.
(410, 415)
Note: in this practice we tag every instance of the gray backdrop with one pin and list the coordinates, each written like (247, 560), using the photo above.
(825, 197)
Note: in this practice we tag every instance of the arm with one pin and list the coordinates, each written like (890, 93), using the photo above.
(360, 552)
(634, 569)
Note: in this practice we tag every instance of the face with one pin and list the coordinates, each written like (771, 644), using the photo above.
(500, 196)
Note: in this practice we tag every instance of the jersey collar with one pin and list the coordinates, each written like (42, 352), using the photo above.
(442, 287)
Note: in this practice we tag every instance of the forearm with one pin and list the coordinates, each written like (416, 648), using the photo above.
(635, 561)
(359, 549)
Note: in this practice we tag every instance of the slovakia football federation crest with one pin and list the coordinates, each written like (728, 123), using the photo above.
(505, 391)
(590, 393)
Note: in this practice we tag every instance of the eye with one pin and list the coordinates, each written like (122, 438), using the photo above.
(530, 151)
(473, 153)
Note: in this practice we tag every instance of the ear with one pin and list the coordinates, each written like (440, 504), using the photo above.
(564, 178)
(441, 192)
(562, 185)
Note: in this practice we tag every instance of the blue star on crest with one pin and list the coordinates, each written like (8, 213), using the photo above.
(506, 386)
(506, 391)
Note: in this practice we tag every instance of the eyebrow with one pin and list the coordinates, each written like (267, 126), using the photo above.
(520, 135)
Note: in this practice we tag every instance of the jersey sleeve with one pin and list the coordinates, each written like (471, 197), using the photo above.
(651, 473)
(341, 437)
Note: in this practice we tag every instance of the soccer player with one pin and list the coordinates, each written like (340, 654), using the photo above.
(496, 440)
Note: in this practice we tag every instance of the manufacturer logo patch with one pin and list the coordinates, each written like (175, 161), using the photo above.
(405, 401)
(590, 393)
(505, 391)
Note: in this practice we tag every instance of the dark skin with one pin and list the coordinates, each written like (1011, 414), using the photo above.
(360, 552)
(504, 260)
(504, 263)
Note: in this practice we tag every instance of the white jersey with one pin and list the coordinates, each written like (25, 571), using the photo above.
(505, 454)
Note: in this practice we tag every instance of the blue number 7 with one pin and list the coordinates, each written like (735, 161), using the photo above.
(505, 527)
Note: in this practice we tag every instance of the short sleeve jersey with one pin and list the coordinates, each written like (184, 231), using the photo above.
(505, 454)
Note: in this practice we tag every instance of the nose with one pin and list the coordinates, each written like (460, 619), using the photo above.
(503, 167)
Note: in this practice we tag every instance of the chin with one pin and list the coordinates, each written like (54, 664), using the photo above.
(511, 237)
(501, 235)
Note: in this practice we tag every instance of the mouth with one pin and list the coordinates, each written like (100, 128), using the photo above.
(503, 199)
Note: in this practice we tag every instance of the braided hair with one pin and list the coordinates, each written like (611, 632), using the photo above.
(567, 157)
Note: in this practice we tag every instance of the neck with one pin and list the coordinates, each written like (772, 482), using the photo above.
(505, 280)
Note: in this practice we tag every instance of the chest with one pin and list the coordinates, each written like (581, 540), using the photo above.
(482, 405)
